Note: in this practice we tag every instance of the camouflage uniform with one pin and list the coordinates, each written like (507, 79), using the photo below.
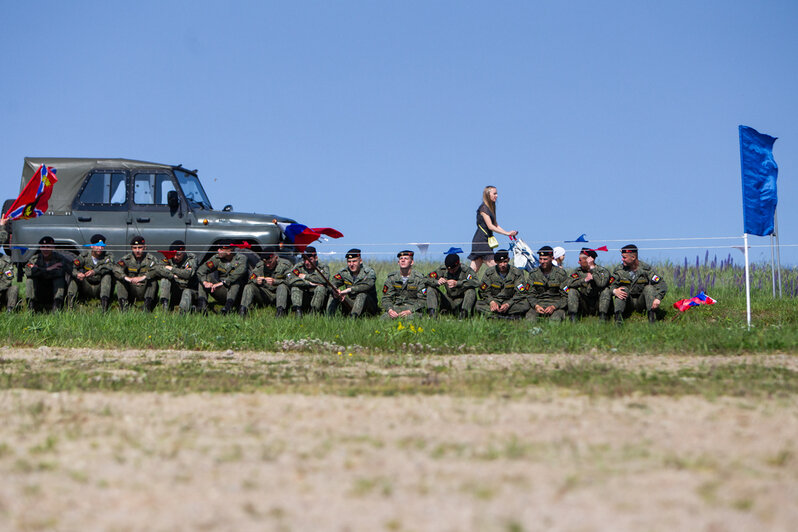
(128, 266)
(362, 298)
(232, 274)
(512, 289)
(402, 295)
(99, 285)
(42, 285)
(9, 292)
(585, 297)
(303, 294)
(179, 283)
(642, 286)
(268, 294)
(460, 299)
(546, 290)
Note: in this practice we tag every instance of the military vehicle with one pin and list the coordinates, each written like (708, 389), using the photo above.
(122, 198)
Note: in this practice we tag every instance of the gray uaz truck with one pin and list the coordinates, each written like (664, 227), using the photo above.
(121, 198)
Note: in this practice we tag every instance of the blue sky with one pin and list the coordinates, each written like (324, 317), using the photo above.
(386, 119)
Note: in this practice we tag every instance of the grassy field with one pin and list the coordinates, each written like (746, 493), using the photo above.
(164, 422)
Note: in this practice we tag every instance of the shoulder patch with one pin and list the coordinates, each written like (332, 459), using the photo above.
(253, 277)
(655, 278)
(121, 262)
(434, 275)
(612, 279)
(210, 264)
(565, 289)
(10, 274)
(296, 272)
(424, 290)
(483, 286)
(575, 275)
(76, 262)
(30, 265)
(338, 276)
(522, 287)
(385, 289)
(468, 277)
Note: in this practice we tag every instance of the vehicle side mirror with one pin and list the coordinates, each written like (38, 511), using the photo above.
(172, 200)
(228, 208)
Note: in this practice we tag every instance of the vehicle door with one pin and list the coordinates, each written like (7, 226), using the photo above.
(153, 217)
(101, 206)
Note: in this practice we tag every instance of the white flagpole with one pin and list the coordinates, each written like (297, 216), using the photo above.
(778, 247)
(747, 282)
(772, 267)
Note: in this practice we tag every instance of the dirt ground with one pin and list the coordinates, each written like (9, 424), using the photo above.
(548, 460)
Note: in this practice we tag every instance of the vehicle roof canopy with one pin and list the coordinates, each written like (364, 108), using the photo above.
(71, 172)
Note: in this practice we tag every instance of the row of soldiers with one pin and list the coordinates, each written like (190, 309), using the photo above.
(505, 291)
(545, 292)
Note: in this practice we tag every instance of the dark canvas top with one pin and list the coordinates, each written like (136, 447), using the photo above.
(71, 172)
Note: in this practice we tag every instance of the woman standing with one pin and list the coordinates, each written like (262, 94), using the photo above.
(481, 251)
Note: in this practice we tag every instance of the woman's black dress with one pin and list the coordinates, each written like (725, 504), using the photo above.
(479, 244)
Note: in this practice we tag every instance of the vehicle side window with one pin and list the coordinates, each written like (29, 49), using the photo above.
(152, 189)
(104, 188)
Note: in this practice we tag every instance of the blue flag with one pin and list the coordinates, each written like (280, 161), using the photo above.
(759, 181)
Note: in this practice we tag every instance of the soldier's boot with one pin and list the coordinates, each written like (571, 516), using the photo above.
(652, 316)
(572, 317)
(280, 312)
(618, 318)
(148, 304)
(165, 304)
(228, 307)
(297, 310)
(603, 317)
(242, 311)
(433, 313)
(463, 315)
(104, 304)
(123, 304)
(202, 306)
(58, 304)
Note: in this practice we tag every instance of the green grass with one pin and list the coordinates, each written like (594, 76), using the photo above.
(718, 329)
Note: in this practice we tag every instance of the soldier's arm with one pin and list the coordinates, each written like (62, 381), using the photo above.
(188, 270)
(601, 277)
(238, 273)
(366, 283)
(660, 286)
(104, 267)
(280, 274)
(152, 271)
(120, 270)
(293, 280)
(388, 295)
(470, 279)
(574, 279)
(204, 270)
(562, 301)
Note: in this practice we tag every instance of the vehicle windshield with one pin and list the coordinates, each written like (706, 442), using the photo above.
(192, 189)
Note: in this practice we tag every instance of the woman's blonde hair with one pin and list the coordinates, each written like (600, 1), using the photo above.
(486, 199)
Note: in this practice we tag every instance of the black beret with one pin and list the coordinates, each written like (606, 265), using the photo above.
(177, 245)
(405, 252)
(501, 255)
(353, 253)
(137, 241)
(629, 248)
(46, 240)
(589, 252)
(451, 260)
(97, 238)
(546, 251)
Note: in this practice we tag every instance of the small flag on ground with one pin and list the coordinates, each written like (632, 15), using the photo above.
(700, 299)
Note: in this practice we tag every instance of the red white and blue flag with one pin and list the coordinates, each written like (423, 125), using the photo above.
(301, 235)
(700, 299)
(33, 199)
